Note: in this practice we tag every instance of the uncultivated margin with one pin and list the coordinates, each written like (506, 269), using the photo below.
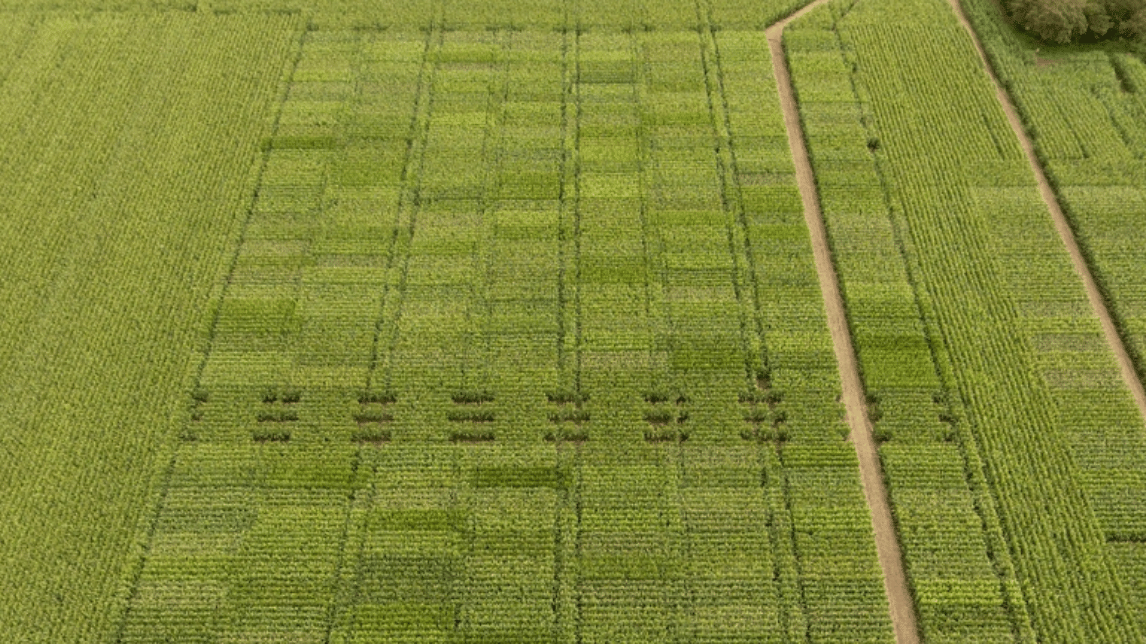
(1093, 294)
(899, 599)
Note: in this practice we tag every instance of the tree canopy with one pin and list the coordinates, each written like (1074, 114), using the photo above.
(1068, 20)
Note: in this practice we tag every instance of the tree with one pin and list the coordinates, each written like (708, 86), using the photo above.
(1130, 17)
(1063, 21)
(1055, 20)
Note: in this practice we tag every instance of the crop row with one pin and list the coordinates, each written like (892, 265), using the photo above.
(264, 541)
(939, 497)
(109, 246)
(593, 238)
(1088, 135)
(1085, 113)
(1027, 385)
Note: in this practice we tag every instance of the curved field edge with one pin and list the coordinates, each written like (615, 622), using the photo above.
(898, 427)
(112, 128)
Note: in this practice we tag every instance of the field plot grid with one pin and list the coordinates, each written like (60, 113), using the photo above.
(444, 321)
(523, 342)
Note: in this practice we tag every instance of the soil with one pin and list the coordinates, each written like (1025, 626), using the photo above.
(899, 599)
(1097, 303)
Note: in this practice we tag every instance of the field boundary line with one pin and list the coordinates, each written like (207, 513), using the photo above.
(732, 198)
(332, 609)
(1061, 224)
(564, 617)
(578, 318)
(899, 599)
(406, 218)
(786, 566)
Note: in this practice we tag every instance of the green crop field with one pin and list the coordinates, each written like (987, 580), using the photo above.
(959, 291)
(494, 321)
(1085, 109)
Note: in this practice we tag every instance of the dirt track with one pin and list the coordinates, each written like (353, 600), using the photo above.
(887, 543)
(1125, 365)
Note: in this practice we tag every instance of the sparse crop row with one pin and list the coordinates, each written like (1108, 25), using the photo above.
(986, 313)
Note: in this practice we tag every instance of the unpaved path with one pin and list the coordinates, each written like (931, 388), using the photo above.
(871, 474)
(1125, 365)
